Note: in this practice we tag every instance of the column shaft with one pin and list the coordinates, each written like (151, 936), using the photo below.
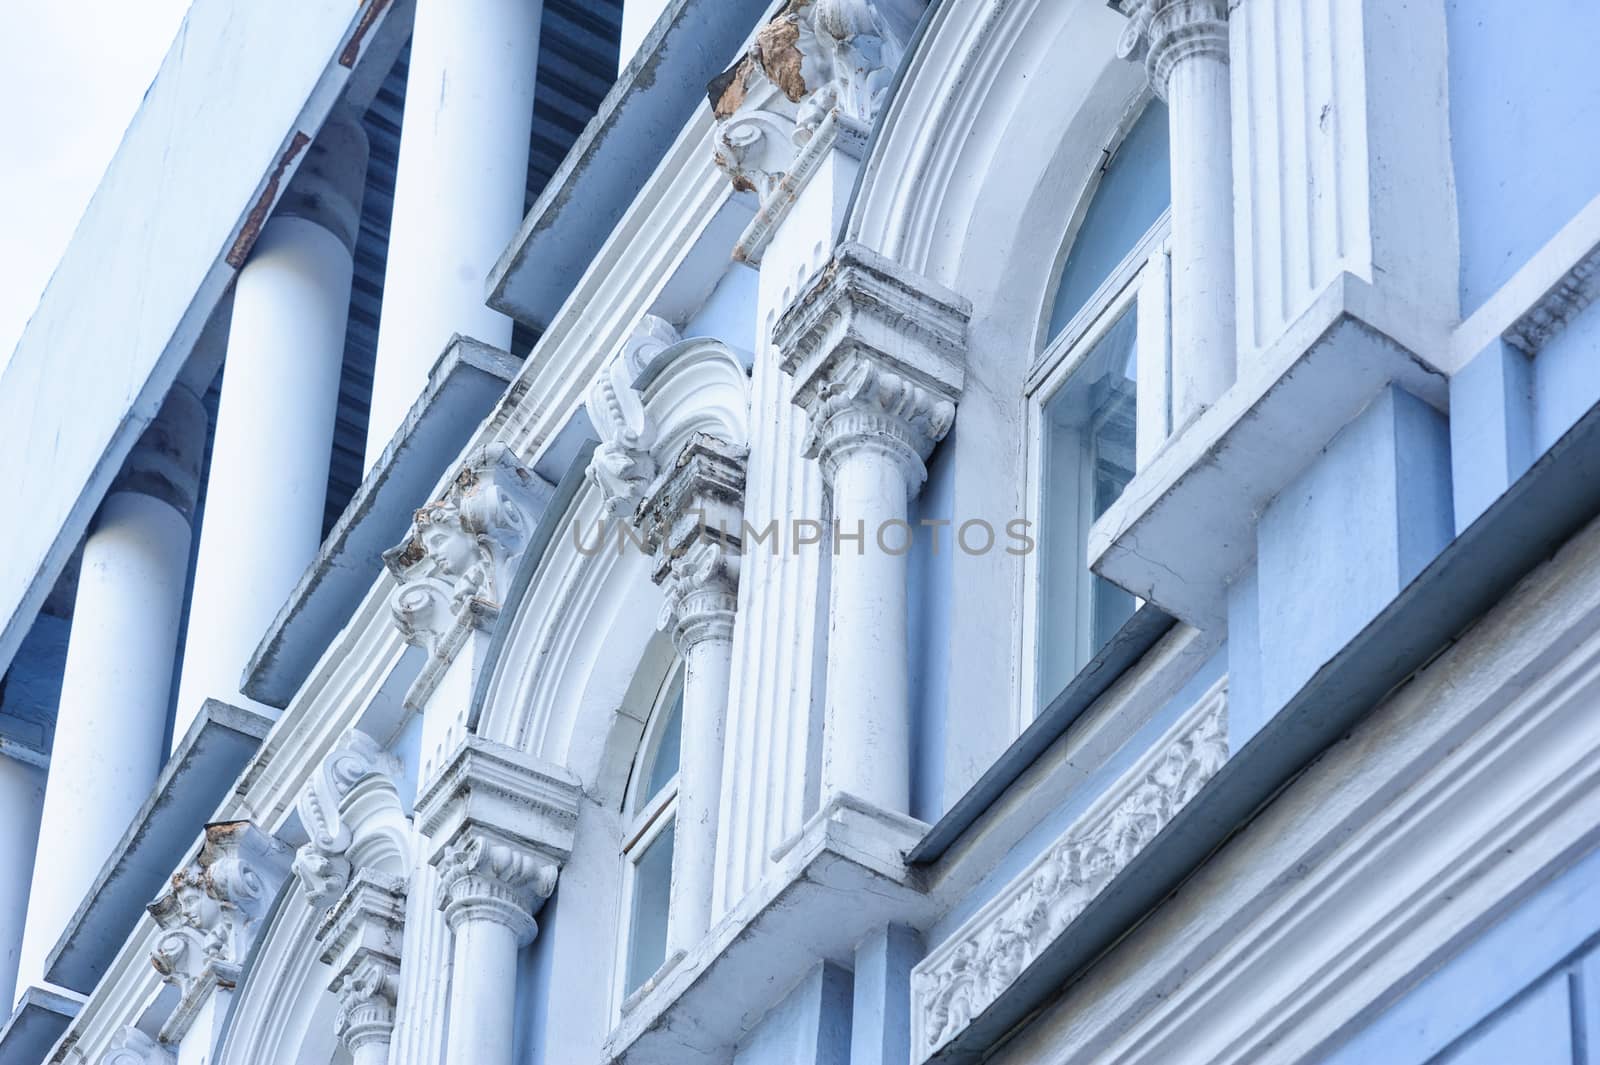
(867, 740)
(117, 682)
(1203, 344)
(459, 189)
(267, 488)
(21, 799)
(484, 996)
(707, 666)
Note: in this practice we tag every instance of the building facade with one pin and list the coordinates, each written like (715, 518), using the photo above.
(843, 532)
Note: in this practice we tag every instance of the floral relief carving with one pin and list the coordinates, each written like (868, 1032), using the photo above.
(960, 979)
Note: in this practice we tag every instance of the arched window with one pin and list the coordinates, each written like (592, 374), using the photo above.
(650, 811)
(1097, 399)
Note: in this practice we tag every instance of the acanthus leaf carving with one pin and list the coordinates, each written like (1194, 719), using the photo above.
(962, 977)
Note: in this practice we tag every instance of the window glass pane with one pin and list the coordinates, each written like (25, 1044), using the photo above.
(1135, 189)
(652, 888)
(664, 765)
(1088, 441)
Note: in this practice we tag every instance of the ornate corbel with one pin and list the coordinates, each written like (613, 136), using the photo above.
(211, 914)
(351, 809)
(621, 466)
(456, 563)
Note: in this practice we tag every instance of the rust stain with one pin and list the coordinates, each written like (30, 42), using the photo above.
(726, 91)
(352, 51)
(269, 195)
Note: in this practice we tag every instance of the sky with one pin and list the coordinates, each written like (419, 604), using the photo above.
(71, 78)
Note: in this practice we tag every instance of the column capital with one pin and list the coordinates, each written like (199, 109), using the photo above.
(502, 824)
(211, 914)
(456, 562)
(361, 936)
(1164, 32)
(693, 521)
(484, 876)
(878, 359)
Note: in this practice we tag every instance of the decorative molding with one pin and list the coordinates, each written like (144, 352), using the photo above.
(333, 811)
(212, 913)
(878, 360)
(485, 877)
(813, 60)
(693, 521)
(980, 961)
(456, 562)
(130, 1046)
(621, 466)
(1162, 33)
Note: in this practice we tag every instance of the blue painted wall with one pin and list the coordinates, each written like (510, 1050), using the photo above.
(1566, 372)
(1346, 535)
(534, 965)
(811, 1024)
(1526, 992)
(1523, 107)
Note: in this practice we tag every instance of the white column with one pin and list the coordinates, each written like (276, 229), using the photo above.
(638, 19)
(698, 567)
(21, 800)
(280, 392)
(459, 190)
(117, 682)
(1184, 44)
(877, 357)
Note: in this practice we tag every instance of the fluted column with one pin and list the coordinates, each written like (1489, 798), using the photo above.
(1184, 46)
(117, 683)
(877, 358)
(460, 184)
(501, 824)
(693, 520)
(268, 483)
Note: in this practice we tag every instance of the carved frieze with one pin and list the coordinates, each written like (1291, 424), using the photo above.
(976, 965)
(212, 913)
(621, 466)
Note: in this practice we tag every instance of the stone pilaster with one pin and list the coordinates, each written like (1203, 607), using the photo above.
(878, 359)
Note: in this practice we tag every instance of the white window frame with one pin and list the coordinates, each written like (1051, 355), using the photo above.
(1140, 284)
(644, 819)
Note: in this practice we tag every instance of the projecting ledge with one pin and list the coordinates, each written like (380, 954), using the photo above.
(1186, 524)
(841, 878)
(37, 1022)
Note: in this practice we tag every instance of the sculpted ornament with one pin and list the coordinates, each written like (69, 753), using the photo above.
(212, 913)
(1160, 33)
(322, 865)
(367, 997)
(814, 59)
(981, 960)
(621, 466)
(484, 879)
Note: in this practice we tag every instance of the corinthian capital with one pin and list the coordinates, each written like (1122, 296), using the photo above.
(878, 358)
(367, 995)
(361, 938)
(486, 878)
(1164, 32)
